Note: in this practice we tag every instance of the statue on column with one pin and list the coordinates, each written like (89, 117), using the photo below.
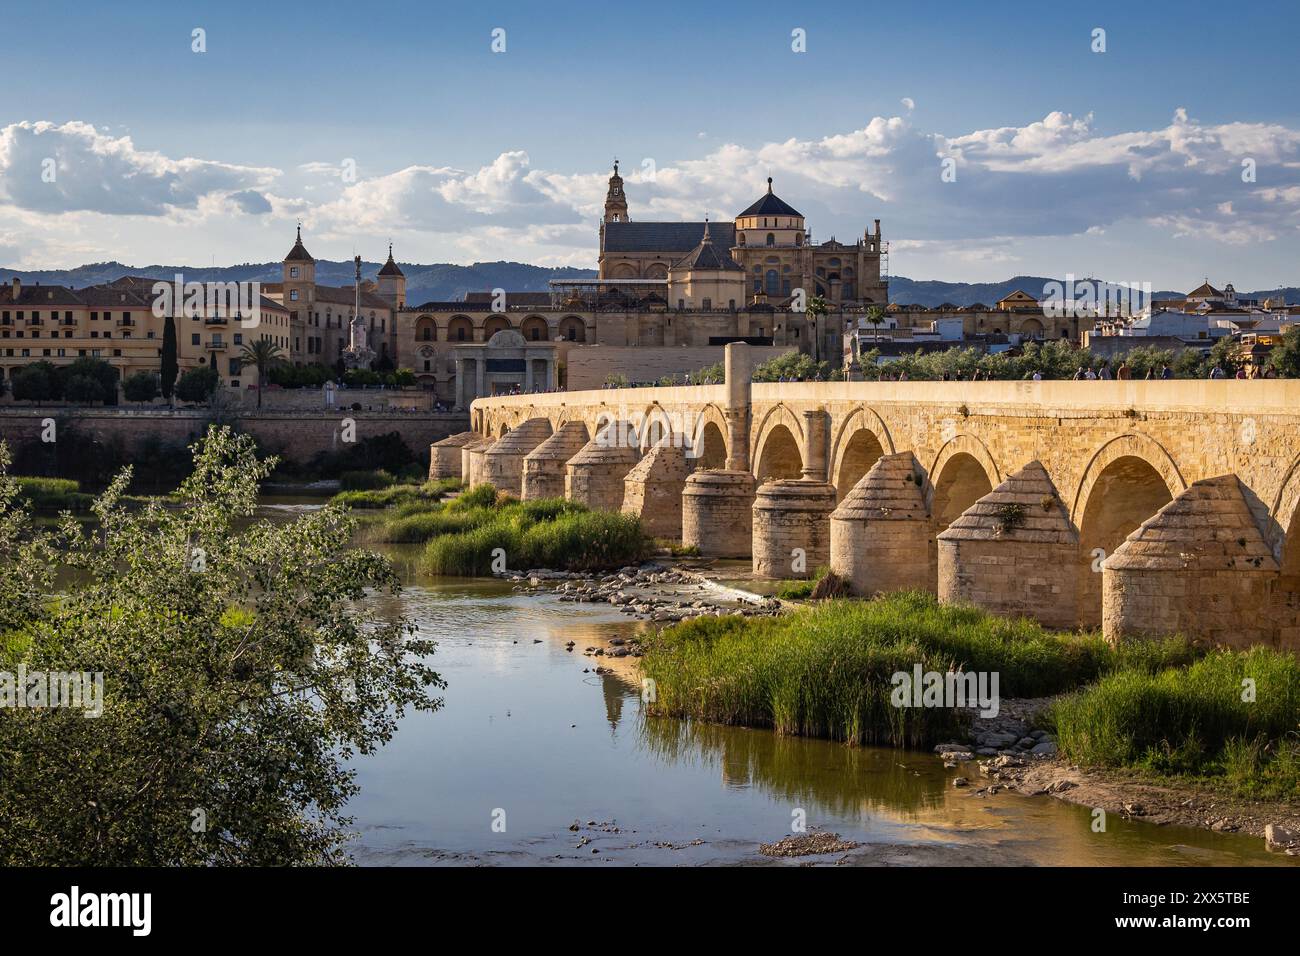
(358, 354)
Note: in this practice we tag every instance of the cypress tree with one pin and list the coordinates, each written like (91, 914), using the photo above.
(169, 369)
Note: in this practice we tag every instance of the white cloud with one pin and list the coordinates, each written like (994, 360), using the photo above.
(1056, 176)
(99, 173)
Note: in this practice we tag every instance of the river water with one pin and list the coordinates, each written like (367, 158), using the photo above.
(531, 743)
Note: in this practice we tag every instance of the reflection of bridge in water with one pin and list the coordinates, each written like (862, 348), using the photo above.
(1147, 507)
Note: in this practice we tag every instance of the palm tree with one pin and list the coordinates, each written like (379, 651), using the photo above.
(265, 354)
(876, 318)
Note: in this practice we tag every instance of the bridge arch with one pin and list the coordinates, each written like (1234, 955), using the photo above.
(654, 426)
(778, 452)
(1284, 535)
(1128, 480)
(709, 438)
(861, 438)
(962, 473)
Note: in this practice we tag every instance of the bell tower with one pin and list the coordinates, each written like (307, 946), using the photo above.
(615, 201)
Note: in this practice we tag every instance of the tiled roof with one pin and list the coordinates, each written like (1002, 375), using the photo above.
(669, 237)
(299, 252)
(771, 205)
(705, 257)
(346, 295)
(390, 267)
(1204, 289)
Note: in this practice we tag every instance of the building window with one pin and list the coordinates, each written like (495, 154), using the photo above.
(293, 295)
(773, 282)
(293, 273)
(771, 239)
(708, 304)
(194, 339)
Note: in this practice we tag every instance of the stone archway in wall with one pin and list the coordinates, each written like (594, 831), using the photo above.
(963, 472)
(1284, 535)
(859, 441)
(654, 426)
(777, 449)
(1127, 481)
(708, 438)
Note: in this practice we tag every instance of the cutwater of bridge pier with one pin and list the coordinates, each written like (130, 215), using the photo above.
(1141, 507)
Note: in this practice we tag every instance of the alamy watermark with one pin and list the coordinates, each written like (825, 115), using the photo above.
(946, 689)
(39, 690)
(210, 300)
(1088, 298)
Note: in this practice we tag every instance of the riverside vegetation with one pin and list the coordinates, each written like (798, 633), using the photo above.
(1157, 706)
(239, 674)
(473, 533)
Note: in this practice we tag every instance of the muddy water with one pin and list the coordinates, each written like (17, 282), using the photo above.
(531, 742)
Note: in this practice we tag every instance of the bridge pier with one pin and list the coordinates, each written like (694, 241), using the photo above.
(1013, 552)
(595, 474)
(880, 533)
(718, 513)
(503, 463)
(1200, 567)
(445, 456)
(546, 466)
(471, 460)
(792, 516)
(653, 490)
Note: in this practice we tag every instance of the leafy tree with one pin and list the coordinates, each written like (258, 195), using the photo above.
(82, 389)
(169, 366)
(792, 366)
(1285, 357)
(265, 354)
(239, 676)
(141, 387)
(98, 371)
(197, 384)
(37, 382)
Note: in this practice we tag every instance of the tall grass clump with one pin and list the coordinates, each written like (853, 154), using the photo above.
(53, 494)
(1195, 721)
(390, 496)
(825, 671)
(552, 533)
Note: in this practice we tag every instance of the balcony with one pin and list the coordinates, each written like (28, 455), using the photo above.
(125, 323)
(215, 320)
(216, 345)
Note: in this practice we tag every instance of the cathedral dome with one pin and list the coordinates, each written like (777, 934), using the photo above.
(771, 205)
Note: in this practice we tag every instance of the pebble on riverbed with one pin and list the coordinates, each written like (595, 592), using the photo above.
(665, 604)
(807, 844)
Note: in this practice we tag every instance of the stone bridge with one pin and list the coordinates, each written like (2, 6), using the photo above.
(1145, 507)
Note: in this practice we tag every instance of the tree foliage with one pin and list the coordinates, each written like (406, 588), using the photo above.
(239, 676)
(140, 387)
(197, 384)
(168, 370)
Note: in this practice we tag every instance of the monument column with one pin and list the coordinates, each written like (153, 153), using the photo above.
(479, 376)
(459, 365)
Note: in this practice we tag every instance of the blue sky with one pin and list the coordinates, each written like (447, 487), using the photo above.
(1124, 163)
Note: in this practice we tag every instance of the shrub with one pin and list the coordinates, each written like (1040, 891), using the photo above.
(197, 384)
(140, 387)
(365, 480)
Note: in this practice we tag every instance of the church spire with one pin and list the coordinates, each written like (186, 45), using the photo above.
(615, 200)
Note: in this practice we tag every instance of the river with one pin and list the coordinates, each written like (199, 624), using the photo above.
(531, 743)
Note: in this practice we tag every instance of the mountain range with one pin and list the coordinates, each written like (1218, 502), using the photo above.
(444, 282)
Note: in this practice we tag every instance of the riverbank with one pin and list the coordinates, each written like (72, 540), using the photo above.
(1014, 751)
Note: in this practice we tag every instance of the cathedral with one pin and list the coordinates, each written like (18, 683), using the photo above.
(763, 256)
